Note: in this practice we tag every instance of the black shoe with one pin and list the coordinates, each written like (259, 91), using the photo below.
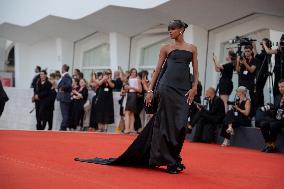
(264, 149)
(271, 149)
(180, 167)
(172, 169)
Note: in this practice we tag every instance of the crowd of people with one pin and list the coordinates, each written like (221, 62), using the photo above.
(252, 68)
(72, 94)
(253, 71)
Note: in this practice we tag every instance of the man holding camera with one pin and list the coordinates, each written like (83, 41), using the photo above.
(246, 68)
(262, 70)
(207, 118)
(279, 62)
(270, 119)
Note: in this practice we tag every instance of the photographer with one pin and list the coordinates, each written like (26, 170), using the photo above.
(238, 116)
(246, 67)
(104, 102)
(225, 85)
(262, 70)
(270, 119)
(279, 62)
(207, 118)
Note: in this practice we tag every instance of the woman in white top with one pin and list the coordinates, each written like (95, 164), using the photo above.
(133, 87)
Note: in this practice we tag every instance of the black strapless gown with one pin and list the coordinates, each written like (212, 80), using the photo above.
(161, 140)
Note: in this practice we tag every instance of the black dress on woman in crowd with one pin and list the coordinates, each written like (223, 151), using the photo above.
(236, 119)
(104, 105)
(225, 85)
(43, 90)
(77, 110)
(161, 140)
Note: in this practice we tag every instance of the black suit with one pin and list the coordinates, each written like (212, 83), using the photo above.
(3, 98)
(206, 121)
(64, 97)
(34, 86)
(269, 125)
(43, 90)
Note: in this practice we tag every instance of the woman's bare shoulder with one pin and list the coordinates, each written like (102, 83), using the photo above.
(191, 47)
(166, 48)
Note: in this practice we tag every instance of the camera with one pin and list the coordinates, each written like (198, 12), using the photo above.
(241, 41)
(267, 107)
(279, 114)
(236, 101)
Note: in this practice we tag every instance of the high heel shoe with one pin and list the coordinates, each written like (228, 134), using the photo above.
(226, 143)
(230, 131)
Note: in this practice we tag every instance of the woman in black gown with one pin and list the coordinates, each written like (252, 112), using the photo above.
(161, 140)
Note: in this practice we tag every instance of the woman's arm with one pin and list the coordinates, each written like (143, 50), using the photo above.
(94, 83)
(238, 68)
(251, 68)
(267, 50)
(217, 65)
(195, 69)
(246, 111)
(110, 83)
(162, 57)
(193, 91)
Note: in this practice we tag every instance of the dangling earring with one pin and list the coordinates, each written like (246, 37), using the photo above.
(180, 33)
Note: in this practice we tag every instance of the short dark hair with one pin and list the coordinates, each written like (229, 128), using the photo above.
(281, 81)
(65, 67)
(232, 54)
(44, 71)
(248, 47)
(38, 68)
(52, 75)
(174, 24)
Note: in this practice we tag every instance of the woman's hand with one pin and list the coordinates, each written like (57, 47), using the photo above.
(148, 99)
(191, 94)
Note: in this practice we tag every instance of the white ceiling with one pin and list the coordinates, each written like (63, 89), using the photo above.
(131, 21)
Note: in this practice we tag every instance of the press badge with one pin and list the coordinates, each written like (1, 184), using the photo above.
(236, 113)
(106, 89)
(245, 72)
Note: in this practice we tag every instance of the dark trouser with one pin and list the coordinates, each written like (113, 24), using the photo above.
(2, 105)
(259, 101)
(93, 122)
(270, 129)
(49, 121)
(205, 127)
(38, 122)
(65, 112)
(205, 131)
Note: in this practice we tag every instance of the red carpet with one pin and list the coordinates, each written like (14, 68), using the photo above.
(45, 160)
